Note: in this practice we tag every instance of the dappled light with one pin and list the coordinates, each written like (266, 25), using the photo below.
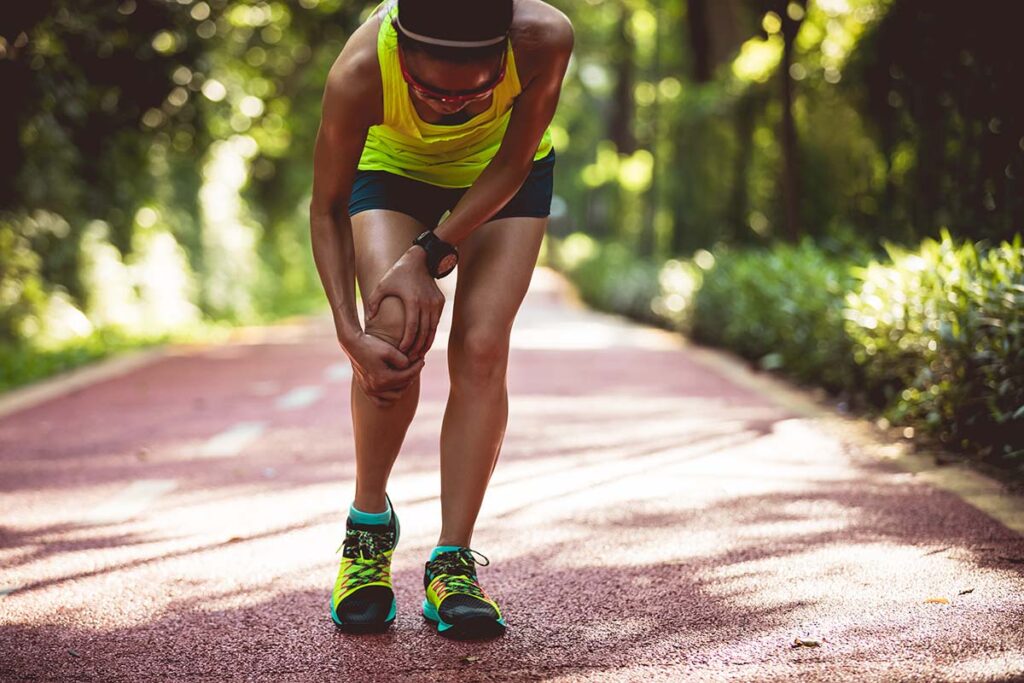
(733, 526)
(829, 191)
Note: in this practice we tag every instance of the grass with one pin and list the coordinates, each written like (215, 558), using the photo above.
(24, 363)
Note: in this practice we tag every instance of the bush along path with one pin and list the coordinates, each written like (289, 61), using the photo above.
(650, 518)
(930, 339)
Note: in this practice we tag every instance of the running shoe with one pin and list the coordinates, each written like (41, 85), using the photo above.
(455, 602)
(363, 600)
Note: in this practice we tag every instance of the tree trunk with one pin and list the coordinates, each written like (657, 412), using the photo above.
(739, 202)
(620, 125)
(700, 39)
(790, 160)
(716, 29)
(649, 229)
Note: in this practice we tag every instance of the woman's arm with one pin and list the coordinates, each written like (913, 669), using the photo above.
(352, 102)
(533, 110)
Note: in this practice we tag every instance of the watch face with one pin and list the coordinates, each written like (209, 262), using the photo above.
(447, 263)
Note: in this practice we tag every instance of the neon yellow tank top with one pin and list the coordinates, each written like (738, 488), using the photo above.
(449, 156)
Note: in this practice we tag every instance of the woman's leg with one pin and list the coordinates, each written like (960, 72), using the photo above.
(496, 263)
(380, 237)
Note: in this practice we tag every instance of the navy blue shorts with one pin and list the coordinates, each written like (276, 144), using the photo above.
(427, 203)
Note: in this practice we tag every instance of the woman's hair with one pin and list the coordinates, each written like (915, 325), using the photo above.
(459, 55)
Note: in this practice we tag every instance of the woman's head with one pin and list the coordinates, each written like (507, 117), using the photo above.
(453, 51)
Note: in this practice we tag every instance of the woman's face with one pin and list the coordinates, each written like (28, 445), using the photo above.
(449, 77)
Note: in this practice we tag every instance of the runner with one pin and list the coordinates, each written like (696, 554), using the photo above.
(435, 136)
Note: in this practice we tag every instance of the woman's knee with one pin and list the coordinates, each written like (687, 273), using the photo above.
(479, 356)
(389, 323)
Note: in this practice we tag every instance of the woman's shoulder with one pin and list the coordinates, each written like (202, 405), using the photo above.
(355, 73)
(539, 33)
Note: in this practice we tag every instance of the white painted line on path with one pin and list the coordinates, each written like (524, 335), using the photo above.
(232, 440)
(337, 372)
(299, 397)
(131, 501)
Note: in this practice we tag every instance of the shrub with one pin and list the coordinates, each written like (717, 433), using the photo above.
(932, 337)
(610, 277)
(782, 307)
(940, 334)
(22, 291)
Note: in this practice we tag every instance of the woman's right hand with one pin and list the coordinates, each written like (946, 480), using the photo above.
(382, 371)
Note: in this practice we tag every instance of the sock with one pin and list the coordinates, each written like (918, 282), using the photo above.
(360, 517)
(442, 549)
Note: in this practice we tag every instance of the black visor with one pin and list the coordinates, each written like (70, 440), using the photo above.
(455, 23)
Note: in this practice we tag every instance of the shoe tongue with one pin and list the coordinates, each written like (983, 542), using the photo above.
(378, 528)
(458, 561)
(370, 539)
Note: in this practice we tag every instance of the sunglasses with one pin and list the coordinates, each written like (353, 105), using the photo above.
(451, 96)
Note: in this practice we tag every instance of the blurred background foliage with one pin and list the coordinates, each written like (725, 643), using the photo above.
(156, 170)
(745, 171)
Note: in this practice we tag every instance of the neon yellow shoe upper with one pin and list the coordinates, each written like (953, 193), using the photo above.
(366, 567)
(454, 598)
(363, 597)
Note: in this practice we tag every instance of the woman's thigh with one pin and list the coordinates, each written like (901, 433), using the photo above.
(380, 237)
(496, 263)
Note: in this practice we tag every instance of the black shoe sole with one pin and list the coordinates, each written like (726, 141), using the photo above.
(359, 629)
(473, 628)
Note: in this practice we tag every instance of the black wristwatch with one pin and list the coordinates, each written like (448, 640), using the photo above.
(441, 256)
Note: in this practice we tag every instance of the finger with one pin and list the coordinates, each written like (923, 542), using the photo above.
(373, 301)
(411, 325)
(400, 378)
(368, 391)
(435, 320)
(366, 386)
(396, 359)
(388, 394)
(421, 334)
(397, 377)
(404, 388)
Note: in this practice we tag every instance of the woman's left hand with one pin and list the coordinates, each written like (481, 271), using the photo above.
(409, 280)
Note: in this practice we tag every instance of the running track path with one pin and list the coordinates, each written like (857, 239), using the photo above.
(650, 519)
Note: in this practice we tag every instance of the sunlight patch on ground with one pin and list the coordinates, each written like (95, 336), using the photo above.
(299, 397)
(233, 440)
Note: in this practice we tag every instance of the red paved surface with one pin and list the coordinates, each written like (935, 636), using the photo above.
(648, 520)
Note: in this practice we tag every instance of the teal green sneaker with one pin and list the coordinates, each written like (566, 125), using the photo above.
(454, 600)
(363, 599)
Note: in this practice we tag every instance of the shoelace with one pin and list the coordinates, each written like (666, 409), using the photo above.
(366, 550)
(459, 574)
